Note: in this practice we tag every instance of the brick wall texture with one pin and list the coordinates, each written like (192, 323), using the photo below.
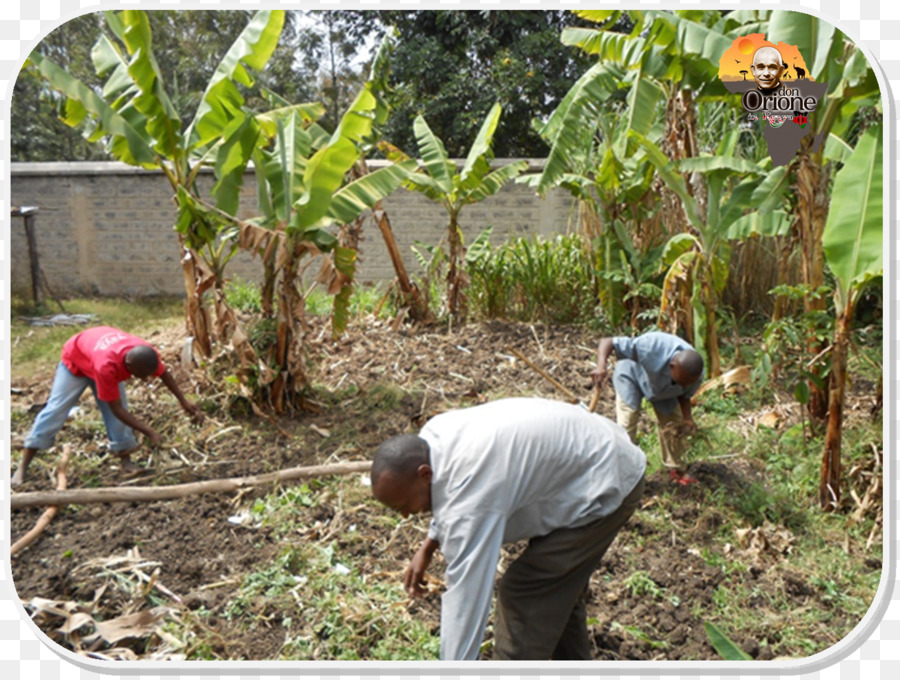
(106, 228)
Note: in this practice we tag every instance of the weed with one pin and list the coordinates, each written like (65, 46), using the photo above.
(533, 279)
(638, 634)
(278, 578)
(244, 296)
(384, 397)
(726, 648)
(641, 583)
(720, 561)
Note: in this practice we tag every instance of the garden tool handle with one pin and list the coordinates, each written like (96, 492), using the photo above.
(595, 397)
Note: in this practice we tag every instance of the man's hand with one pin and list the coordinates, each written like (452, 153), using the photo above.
(414, 578)
(195, 412)
(688, 427)
(600, 376)
(154, 437)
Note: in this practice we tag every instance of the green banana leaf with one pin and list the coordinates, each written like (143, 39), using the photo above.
(478, 159)
(853, 236)
(221, 100)
(491, 184)
(130, 143)
(670, 176)
(732, 164)
(232, 157)
(434, 156)
(569, 130)
(818, 41)
(643, 100)
(362, 194)
(152, 100)
(775, 223)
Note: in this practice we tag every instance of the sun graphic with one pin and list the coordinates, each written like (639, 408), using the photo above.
(746, 46)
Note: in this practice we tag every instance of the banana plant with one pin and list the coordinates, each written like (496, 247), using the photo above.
(697, 260)
(592, 158)
(830, 57)
(659, 65)
(134, 116)
(304, 194)
(854, 251)
(454, 189)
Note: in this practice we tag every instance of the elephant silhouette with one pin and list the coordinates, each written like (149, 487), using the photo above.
(801, 73)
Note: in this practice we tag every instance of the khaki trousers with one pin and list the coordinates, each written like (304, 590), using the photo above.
(541, 597)
(671, 443)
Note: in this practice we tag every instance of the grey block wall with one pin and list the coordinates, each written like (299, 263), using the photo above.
(106, 228)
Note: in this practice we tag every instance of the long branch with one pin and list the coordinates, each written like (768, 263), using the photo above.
(118, 494)
(45, 519)
(549, 378)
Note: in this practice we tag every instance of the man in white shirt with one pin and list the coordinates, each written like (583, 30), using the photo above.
(550, 472)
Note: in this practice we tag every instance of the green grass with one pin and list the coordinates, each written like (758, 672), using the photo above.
(245, 296)
(323, 593)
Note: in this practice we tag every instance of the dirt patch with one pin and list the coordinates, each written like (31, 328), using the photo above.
(372, 383)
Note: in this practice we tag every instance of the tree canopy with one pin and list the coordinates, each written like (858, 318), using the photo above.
(448, 66)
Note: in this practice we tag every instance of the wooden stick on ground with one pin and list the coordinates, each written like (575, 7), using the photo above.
(117, 494)
(549, 378)
(45, 519)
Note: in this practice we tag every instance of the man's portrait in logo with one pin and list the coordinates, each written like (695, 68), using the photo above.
(778, 96)
(767, 67)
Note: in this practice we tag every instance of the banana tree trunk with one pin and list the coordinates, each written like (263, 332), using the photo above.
(412, 297)
(812, 212)
(454, 274)
(785, 253)
(267, 291)
(714, 369)
(680, 141)
(288, 377)
(196, 313)
(829, 483)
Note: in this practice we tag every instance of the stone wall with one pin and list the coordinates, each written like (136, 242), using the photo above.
(106, 228)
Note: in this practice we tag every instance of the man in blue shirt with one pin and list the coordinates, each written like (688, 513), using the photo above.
(554, 474)
(666, 371)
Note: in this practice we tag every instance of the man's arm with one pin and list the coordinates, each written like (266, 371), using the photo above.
(472, 550)
(684, 402)
(191, 409)
(414, 578)
(604, 350)
(127, 417)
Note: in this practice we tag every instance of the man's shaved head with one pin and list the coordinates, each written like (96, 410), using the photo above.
(686, 367)
(401, 455)
(401, 474)
(142, 361)
(767, 68)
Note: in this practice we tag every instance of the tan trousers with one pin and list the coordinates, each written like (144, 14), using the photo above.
(671, 443)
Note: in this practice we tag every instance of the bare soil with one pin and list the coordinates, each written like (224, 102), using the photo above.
(374, 382)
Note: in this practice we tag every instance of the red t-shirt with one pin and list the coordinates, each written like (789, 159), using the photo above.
(99, 354)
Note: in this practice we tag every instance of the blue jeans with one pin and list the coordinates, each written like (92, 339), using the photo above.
(67, 390)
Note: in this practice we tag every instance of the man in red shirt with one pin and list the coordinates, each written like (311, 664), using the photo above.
(101, 358)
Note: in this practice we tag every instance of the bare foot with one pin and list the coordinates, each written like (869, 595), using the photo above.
(128, 467)
(19, 476)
